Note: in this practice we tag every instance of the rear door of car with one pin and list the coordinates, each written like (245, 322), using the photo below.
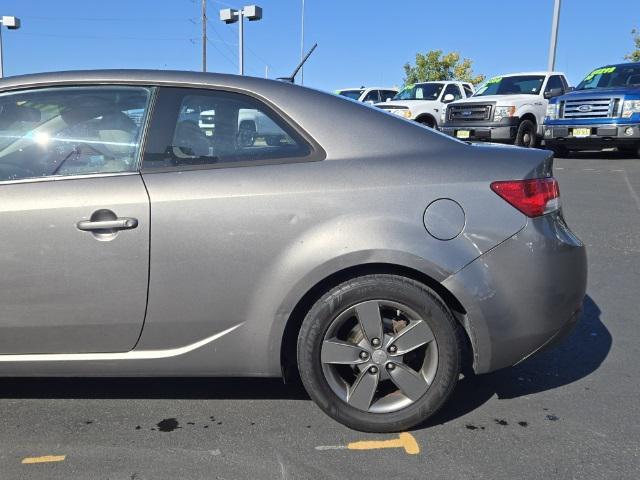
(74, 212)
(217, 221)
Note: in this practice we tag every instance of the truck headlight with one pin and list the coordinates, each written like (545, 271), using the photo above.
(503, 112)
(443, 116)
(552, 111)
(629, 107)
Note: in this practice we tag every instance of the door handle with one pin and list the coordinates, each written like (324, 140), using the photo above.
(116, 224)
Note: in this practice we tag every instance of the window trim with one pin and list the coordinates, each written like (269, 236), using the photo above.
(316, 152)
(143, 131)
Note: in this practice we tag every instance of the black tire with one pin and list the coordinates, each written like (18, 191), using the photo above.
(411, 293)
(526, 135)
(427, 122)
(273, 140)
(247, 133)
(560, 152)
(631, 151)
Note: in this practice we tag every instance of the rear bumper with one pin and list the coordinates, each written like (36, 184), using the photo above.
(504, 131)
(523, 294)
(601, 136)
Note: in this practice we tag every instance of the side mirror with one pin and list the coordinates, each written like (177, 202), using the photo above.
(448, 98)
(388, 99)
(554, 92)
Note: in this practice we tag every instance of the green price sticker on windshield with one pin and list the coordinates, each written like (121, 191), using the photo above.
(494, 80)
(599, 71)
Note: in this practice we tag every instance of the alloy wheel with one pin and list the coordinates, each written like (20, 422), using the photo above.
(379, 356)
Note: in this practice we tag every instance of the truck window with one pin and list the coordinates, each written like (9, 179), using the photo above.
(385, 94)
(554, 82)
(468, 90)
(372, 96)
(453, 90)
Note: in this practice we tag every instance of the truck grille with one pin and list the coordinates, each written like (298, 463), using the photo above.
(589, 108)
(469, 112)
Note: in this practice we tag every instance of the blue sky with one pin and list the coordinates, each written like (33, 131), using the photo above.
(360, 42)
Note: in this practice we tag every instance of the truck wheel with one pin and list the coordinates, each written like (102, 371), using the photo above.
(631, 151)
(560, 152)
(246, 133)
(273, 140)
(526, 136)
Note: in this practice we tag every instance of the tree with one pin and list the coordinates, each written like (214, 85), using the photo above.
(434, 66)
(635, 55)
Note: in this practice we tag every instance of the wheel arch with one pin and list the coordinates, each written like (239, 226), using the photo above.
(427, 116)
(529, 116)
(288, 361)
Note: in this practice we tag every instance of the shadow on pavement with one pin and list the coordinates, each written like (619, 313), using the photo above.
(574, 358)
(602, 155)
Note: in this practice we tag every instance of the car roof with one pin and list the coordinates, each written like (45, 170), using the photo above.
(442, 81)
(626, 64)
(128, 76)
(539, 72)
(365, 88)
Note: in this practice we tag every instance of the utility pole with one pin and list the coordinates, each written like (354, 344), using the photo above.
(302, 44)
(204, 35)
(554, 35)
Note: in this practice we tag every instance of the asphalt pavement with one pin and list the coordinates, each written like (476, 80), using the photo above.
(570, 413)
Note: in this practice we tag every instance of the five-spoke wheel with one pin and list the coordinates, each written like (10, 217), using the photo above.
(379, 356)
(379, 352)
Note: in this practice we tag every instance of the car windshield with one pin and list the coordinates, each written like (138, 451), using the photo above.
(616, 76)
(517, 84)
(352, 94)
(420, 91)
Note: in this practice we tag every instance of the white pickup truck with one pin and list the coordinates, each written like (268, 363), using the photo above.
(509, 108)
(251, 124)
(425, 102)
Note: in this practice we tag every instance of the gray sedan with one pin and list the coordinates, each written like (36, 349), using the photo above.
(368, 256)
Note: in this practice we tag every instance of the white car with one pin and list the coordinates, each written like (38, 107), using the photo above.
(425, 102)
(368, 94)
(509, 108)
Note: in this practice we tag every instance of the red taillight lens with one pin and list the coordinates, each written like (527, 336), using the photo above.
(532, 197)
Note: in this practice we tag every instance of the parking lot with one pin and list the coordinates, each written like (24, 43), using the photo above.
(568, 413)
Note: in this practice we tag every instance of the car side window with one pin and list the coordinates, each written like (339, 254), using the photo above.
(467, 90)
(453, 90)
(372, 96)
(196, 127)
(554, 82)
(71, 131)
(387, 94)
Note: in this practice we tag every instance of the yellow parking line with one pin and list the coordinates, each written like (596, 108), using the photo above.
(44, 459)
(405, 440)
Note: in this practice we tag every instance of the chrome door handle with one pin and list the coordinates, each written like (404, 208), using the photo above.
(117, 224)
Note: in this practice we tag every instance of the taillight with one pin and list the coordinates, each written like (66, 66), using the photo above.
(532, 197)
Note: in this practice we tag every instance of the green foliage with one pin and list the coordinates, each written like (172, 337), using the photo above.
(434, 66)
(635, 55)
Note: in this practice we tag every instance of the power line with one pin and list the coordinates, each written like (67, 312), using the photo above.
(102, 37)
(102, 19)
(229, 59)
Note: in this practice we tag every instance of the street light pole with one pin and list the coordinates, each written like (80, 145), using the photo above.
(231, 15)
(241, 41)
(204, 35)
(554, 35)
(12, 23)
